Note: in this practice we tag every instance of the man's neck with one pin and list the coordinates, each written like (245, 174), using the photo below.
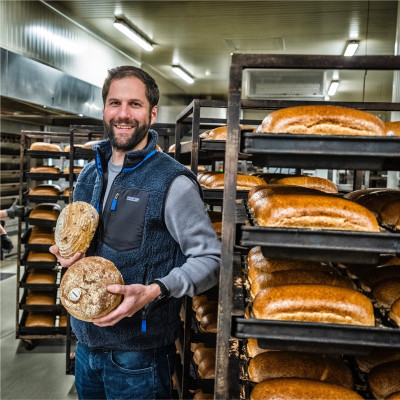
(118, 156)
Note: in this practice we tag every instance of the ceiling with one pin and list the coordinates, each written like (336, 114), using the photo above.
(201, 36)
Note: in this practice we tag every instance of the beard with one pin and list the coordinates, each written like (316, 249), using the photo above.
(136, 137)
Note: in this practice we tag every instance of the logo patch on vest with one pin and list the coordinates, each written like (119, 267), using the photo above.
(134, 199)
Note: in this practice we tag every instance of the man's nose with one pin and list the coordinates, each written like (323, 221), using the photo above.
(124, 111)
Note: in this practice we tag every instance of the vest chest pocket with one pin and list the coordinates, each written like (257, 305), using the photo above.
(124, 217)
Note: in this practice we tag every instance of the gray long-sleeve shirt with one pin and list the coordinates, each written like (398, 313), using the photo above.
(188, 223)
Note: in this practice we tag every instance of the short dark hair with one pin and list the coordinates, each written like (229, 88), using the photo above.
(126, 71)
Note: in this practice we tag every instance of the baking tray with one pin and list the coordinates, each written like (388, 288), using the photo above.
(46, 154)
(218, 194)
(38, 330)
(320, 151)
(41, 222)
(39, 286)
(308, 336)
(42, 199)
(320, 245)
(41, 176)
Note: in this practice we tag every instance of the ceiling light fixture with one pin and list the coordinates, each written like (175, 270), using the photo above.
(127, 30)
(351, 48)
(333, 87)
(183, 74)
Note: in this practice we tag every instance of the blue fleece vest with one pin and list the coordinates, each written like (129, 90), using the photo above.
(145, 249)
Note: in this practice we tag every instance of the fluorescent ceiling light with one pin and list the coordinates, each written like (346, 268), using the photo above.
(333, 87)
(351, 48)
(183, 74)
(127, 30)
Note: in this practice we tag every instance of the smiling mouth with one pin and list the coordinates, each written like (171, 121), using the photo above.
(124, 126)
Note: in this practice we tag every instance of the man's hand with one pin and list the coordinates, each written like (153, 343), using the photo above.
(16, 211)
(65, 262)
(6, 244)
(135, 298)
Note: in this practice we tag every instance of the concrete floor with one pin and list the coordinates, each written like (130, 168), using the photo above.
(36, 374)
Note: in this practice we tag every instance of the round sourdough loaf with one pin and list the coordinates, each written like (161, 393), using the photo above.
(75, 228)
(83, 288)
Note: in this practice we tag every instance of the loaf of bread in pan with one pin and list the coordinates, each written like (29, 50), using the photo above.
(294, 364)
(41, 235)
(298, 276)
(68, 147)
(41, 276)
(45, 169)
(384, 379)
(323, 120)
(203, 352)
(376, 357)
(208, 323)
(45, 190)
(301, 389)
(44, 146)
(34, 256)
(394, 313)
(253, 348)
(314, 303)
(37, 319)
(386, 292)
(200, 395)
(314, 211)
(393, 396)
(217, 228)
(83, 288)
(383, 203)
(199, 300)
(89, 145)
(217, 181)
(374, 275)
(258, 264)
(75, 228)
(206, 308)
(42, 298)
(47, 211)
(313, 182)
(206, 368)
(221, 132)
(77, 170)
(392, 128)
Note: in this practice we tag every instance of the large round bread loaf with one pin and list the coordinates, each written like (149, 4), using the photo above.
(83, 288)
(314, 303)
(301, 389)
(323, 120)
(75, 228)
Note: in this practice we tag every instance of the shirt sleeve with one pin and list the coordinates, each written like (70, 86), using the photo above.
(187, 221)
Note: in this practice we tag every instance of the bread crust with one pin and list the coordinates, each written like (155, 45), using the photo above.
(47, 211)
(392, 128)
(217, 181)
(44, 146)
(45, 320)
(41, 276)
(323, 120)
(34, 256)
(313, 182)
(45, 169)
(300, 389)
(293, 364)
(386, 292)
(314, 211)
(45, 190)
(75, 228)
(314, 303)
(384, 379)
(83, 288)
(394, 313)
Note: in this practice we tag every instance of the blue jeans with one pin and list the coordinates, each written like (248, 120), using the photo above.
(114, 375)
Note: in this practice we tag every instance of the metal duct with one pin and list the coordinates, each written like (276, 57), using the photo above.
(33, 82)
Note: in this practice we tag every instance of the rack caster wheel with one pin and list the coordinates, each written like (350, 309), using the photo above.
(28, 344)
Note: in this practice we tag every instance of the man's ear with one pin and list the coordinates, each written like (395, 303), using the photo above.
(153, 115)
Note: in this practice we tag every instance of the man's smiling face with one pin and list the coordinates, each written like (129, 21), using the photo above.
(127, 115)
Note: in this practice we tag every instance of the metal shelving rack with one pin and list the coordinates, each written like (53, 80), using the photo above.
(273, 331)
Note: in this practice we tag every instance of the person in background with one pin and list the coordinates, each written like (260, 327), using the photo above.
(14, 211)
(155, 229)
